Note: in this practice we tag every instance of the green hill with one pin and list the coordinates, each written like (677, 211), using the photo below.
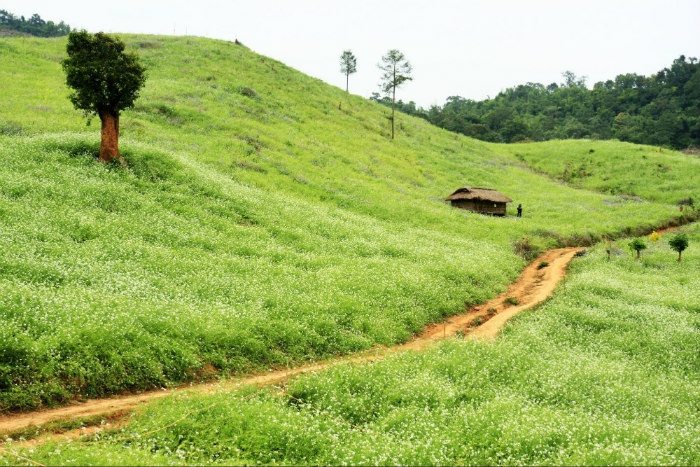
(265, 218)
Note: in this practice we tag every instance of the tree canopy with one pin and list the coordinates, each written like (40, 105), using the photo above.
(103, 77)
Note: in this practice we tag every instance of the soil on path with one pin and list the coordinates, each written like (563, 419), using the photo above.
(483, 321)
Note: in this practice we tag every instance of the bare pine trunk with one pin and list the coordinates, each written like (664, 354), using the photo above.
(109, 146)
(393, 106)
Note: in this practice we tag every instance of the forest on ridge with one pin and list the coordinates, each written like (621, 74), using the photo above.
(34, 26)
(659, 110)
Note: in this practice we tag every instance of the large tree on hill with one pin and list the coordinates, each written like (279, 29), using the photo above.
(105, 80)
(348, 66)
(396, 70)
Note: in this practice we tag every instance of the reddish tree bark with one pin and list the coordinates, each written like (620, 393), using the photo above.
(109, 145)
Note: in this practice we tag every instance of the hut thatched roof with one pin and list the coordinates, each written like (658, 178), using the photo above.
(481, 194)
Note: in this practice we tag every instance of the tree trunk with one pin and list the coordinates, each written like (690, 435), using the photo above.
(393, 106)
(109, 146)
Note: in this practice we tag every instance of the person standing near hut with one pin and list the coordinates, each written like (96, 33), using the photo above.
(520, 210)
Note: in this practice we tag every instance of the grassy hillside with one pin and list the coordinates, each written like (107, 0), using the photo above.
(605, 373)
(265, 218)
(646, 172)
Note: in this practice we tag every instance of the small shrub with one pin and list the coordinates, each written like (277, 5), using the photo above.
(679, 243)
(11, 129)
(638, 245)
(512, 301)
(526, 248)
(248, 92)
(543, 264)
(148, 45)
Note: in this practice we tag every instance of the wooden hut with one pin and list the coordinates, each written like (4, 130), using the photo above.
(481, 200)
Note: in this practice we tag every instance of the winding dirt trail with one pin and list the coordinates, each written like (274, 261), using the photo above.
(533, 287)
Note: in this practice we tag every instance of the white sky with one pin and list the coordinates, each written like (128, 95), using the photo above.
(470, 48)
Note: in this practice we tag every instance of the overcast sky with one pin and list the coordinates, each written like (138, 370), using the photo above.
(469, 48)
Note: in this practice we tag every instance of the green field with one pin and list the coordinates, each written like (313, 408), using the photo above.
(605, 373)
(642, 172)
(267, 219)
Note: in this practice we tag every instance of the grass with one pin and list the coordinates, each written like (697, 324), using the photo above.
(265, 218)
(234, 202)
(134, 284)
(512, 301)
(606, 372)
(639, 172)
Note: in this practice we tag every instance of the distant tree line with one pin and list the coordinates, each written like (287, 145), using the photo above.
(661, 110)
(34, 26)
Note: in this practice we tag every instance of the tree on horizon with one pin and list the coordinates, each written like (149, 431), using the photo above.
(348, 66)
(34, 26)
(396, 70)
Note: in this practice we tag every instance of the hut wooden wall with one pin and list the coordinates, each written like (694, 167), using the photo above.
(482, 207)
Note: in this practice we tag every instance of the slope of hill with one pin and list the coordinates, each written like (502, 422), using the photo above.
(650, 173)
(265, 218)
(606, 372)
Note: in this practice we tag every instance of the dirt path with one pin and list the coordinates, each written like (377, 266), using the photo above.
(533, 287)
